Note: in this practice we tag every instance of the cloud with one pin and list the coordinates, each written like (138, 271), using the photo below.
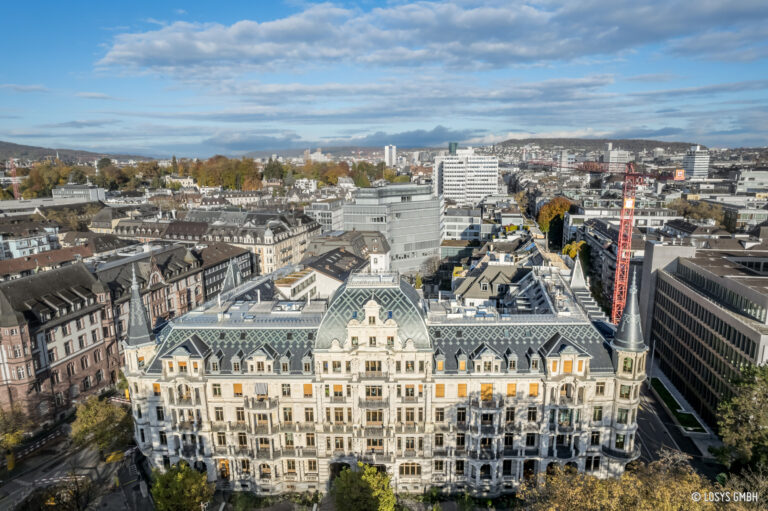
(96, 95)
(94, 123)
(180, 12)
(448, 34)
(24, 88)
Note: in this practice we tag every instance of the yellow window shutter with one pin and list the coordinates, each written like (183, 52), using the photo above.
(568, 366)
(486, 391)
(307, 390)
(440, 390)
(238, 388)
(511, 389)
(440, 365)
(581, 365)
(462, 390)
(462, 365)
(156, 388)
(534, 390)
(182, 364)
(554, 366)
(337, 388)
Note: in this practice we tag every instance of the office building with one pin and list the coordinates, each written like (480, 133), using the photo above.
(696, 163)
(466, 178)
(277, 397)
(615, 158)
(86, 192)
(705, 311)
(390, 155)
(329, 213)
(409, 217)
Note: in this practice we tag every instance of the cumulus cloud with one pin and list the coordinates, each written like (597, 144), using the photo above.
(452, 34)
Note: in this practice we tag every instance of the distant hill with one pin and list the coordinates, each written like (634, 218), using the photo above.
(28, 152)
(598, 144)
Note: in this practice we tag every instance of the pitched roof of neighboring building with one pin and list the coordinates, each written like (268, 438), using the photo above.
(51, 258)
(28, 298)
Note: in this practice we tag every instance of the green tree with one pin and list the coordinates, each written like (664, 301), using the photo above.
(103, 163)
(364, 489)
(273, 170)
(174, 165)
(743, 421)
(417, 282)
(13, 425)
(181, 488)
(103, 424)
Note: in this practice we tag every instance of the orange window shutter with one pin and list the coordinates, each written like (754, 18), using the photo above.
(141, 359)
(238, 387)
(337, 388)
(486, 391)
(194, 365)
(581, 365)
(511, 389)
(440, 390)
(182, 364)
(462, 365)
(462, 390)
(554, 366)
(440, 365)
(308, 389)
(421, 388)
(534, 389)
(156, 388)
(568, 366)
(170, 366)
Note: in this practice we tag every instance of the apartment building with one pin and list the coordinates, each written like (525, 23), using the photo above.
(278, 397)
(57, 342)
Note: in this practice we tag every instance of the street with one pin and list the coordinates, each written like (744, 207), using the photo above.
(656, 429)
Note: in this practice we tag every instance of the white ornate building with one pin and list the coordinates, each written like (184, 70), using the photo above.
(279, 396)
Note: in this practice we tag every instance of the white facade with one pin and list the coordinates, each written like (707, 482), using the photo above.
(752, 181)
(696, 163)
(466, 178)
(390, 155)
(328, 213)
(615, 158)
(306, 184)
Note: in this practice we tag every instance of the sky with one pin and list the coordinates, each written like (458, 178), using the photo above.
(198, 78)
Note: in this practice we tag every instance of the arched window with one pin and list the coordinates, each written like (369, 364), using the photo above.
(627, 368)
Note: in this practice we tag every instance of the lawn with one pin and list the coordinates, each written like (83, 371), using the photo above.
(686, 420)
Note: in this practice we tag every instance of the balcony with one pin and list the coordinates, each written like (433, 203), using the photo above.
(409, 399)
(621, 455)
(565, 452)
(185, 426)
(239, 426)
(261, 428)
(496, 402)
(531, 451)
(410, 453)
(373, 375)
(409, 427)
(484, 454)
(218, 426)
(264, 454)
(261, 404)
(439, 452)
(188, 451)
(221, 449)
(310, 452)
(338, 399)
(374, 402)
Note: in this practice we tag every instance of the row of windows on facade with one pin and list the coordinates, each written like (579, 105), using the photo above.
(82, 343)
(708, 365)
(721, 336)
(79, 324)
(375, 417)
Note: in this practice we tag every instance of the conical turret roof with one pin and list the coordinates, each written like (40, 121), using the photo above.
(139, 330)
(629, 334)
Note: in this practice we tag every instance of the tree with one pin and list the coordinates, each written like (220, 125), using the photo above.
(573, 249)
(103, 163)
(273, 170)
(181, 488)
(174, 165)
(103, 424)
(364, 489)
(417, 282)
(556, 208)
(521, 198)
(13, 425)
(698, 210)
(666, 484)
(743, 421)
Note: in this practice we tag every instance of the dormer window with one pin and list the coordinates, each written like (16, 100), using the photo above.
(535, 364)
(513, 365)
(390, 341)
(487, 366)
(371, 320)
(236, 367)
(484, 286)
(260, 367)
(214, 365)
(354, 340)
(372, 341)
(182, 367)
(284, 367)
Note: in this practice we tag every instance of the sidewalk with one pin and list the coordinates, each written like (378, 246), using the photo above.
(702, 440)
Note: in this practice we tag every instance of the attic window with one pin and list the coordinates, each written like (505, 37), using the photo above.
(221, 335)
(535, 364)
(242, 335)
(289, 336)
(459, 333)
(437, 334)
(311, 336)
(484, 286)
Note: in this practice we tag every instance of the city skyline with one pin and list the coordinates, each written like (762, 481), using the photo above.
(201, 80)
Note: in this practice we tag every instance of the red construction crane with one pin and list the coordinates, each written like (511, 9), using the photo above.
(624, 249)
(11, 166)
